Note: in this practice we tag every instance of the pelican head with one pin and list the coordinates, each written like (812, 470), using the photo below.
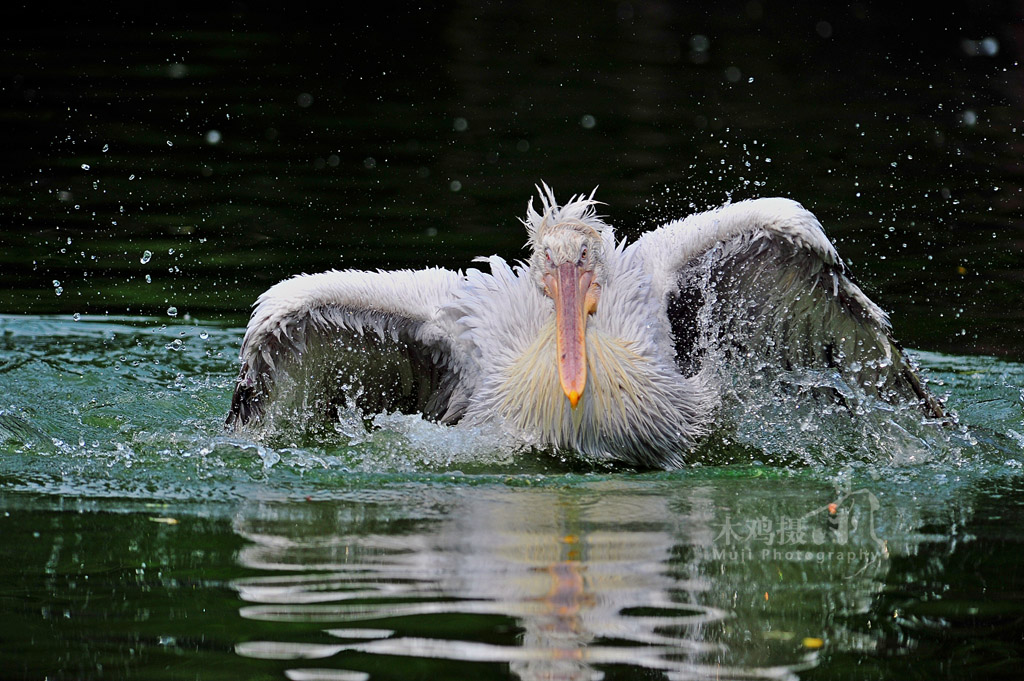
(568, 266)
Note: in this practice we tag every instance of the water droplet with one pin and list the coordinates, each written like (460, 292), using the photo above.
(106, 148)
(76, 316)
(149, 279)
(588, 121)
(204, 335)
(170, 143)
(131, 177)
(170, 251)
(85, 166)
(56, 283)
(172, 311)
(146, 255)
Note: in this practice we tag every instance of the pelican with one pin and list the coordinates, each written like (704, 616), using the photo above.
(591, 345)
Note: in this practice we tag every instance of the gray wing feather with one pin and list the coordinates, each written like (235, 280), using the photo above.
(370, 340)
(774, 301)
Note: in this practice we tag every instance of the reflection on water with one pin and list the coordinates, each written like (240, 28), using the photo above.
(561, 583)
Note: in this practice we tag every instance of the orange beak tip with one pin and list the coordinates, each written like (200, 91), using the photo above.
(574, 398)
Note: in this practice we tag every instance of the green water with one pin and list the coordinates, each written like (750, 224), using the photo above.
(140, 540)
(158, 173)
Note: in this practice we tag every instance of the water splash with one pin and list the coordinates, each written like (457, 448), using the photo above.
(137, 396)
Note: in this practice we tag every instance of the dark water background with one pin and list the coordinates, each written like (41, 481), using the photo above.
(341, 138)
(238, 146)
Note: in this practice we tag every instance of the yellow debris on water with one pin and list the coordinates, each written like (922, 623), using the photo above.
(165, 521)
(813, 643)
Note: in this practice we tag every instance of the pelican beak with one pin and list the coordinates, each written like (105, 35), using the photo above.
(572, 289)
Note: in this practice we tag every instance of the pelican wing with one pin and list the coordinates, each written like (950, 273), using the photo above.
(373, 340)
(760, 280)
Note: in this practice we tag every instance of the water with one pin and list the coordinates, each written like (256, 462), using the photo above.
(159, 175)
(142, 540)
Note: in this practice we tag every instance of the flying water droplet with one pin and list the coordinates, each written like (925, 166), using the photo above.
(172, 311)
(85, 166)
(146, 255)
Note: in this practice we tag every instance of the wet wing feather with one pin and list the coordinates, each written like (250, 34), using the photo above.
(371, 340)
(760, 280)
(764, 297)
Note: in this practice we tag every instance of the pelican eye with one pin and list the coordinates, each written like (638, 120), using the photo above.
(551, 260)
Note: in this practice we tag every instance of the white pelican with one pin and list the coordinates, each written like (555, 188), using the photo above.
(592, 345)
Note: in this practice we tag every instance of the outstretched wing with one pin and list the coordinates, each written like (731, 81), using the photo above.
(761, 281)
(374, 340)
